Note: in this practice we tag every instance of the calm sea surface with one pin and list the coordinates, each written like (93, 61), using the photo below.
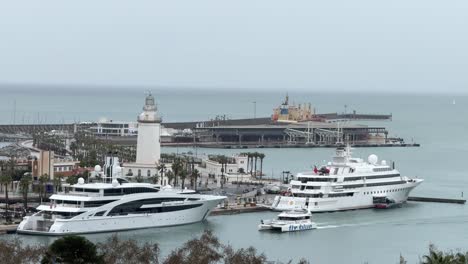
(440, 126)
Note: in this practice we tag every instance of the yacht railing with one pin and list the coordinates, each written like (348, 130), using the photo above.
(53, 205)
(80, 194)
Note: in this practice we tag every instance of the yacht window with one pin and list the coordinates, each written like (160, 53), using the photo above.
(100, 213)
(336, 171)
(138, 190)
(97, 203)
(134, 207)
(113, 192)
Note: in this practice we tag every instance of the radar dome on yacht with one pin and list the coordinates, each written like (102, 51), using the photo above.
(80, 180)
(115, 183)
(373, 159)
(97, 168)
(383, 162)
(167, 187)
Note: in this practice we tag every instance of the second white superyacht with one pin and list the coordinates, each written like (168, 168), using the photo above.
(346, 183)
(117, 205)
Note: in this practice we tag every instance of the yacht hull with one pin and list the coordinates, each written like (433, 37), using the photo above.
(361, 199)
(85, 225)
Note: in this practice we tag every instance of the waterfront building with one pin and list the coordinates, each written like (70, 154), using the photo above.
(111, 128)
(47, 164)
(235, 168)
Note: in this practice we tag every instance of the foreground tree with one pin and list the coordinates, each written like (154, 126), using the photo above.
(242, 256)
(117, 251)
(13, 252)
(72, 250)
(203, 250)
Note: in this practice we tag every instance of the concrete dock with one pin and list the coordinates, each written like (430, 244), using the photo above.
(436, 200)
(7, 229)
(240, 209)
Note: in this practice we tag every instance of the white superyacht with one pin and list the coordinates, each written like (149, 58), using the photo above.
(346, 183)
(116, 206)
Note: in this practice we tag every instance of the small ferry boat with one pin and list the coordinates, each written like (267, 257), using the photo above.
(290, 221)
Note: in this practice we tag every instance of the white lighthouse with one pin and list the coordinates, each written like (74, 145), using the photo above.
(149, 130)
(148, 146)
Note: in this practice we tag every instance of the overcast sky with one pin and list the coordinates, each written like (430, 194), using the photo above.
(342, 45)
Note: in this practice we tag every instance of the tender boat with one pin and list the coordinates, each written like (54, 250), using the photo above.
(383, 202)
(290, 221)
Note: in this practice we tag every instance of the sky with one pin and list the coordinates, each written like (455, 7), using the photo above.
(335, 45)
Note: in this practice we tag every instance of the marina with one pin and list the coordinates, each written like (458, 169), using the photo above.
(242, 132)
(223, 219)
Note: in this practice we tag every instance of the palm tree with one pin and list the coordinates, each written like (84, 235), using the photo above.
(250, 161)
(183, 175)
(57, 181)
(155, 179)
(43, 179)
(261, 156)
(223, 161)
(162, 169)
(170, 176)
(5, 180)
(177, 167)
(194, 176)
(24, 184)
(255, 155)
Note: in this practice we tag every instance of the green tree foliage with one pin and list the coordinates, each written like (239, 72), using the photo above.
(203, 250)
(206, 249)
(14, 252)
(177, 167)
(24, 184)
(436, 256)
(117, 251)
(41, 186)
(91, 150)
(170, 177)
(183, 176)
(5, 181)
(242, 256)
(194, 177)
(72, 250)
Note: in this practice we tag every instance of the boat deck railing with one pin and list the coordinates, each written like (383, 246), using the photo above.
(80, 194)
